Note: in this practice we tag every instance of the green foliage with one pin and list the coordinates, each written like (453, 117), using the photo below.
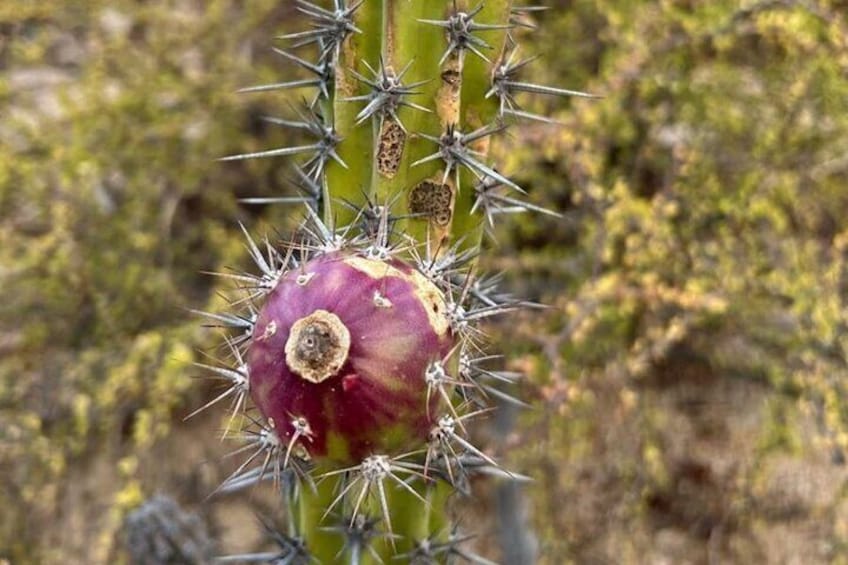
(703, 259)
(110, 206)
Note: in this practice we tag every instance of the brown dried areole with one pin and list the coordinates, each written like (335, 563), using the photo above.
(447, 97)
(432, 200)
(390, 150)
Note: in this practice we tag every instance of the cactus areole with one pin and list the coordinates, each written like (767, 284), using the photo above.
(339, 356)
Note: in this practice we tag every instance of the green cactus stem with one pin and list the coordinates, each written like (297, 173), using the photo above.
(358, 342)
(410, 43)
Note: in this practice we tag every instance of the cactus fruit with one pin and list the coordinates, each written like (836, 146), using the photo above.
(342, 347)
(359, 345)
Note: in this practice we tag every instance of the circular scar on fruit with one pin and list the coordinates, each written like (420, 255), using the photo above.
(317, 346)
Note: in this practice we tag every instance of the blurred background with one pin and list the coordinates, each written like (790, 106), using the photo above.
(688, 383)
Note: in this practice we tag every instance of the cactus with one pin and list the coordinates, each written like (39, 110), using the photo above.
(357, 341)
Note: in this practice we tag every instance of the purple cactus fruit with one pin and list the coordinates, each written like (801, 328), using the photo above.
(340, 352)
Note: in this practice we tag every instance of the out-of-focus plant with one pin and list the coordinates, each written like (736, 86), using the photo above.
(703, 262)
(110, 110)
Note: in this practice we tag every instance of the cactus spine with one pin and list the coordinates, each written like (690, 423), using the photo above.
(357, 340)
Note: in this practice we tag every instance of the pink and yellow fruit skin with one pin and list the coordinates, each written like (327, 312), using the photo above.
(377, 401)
